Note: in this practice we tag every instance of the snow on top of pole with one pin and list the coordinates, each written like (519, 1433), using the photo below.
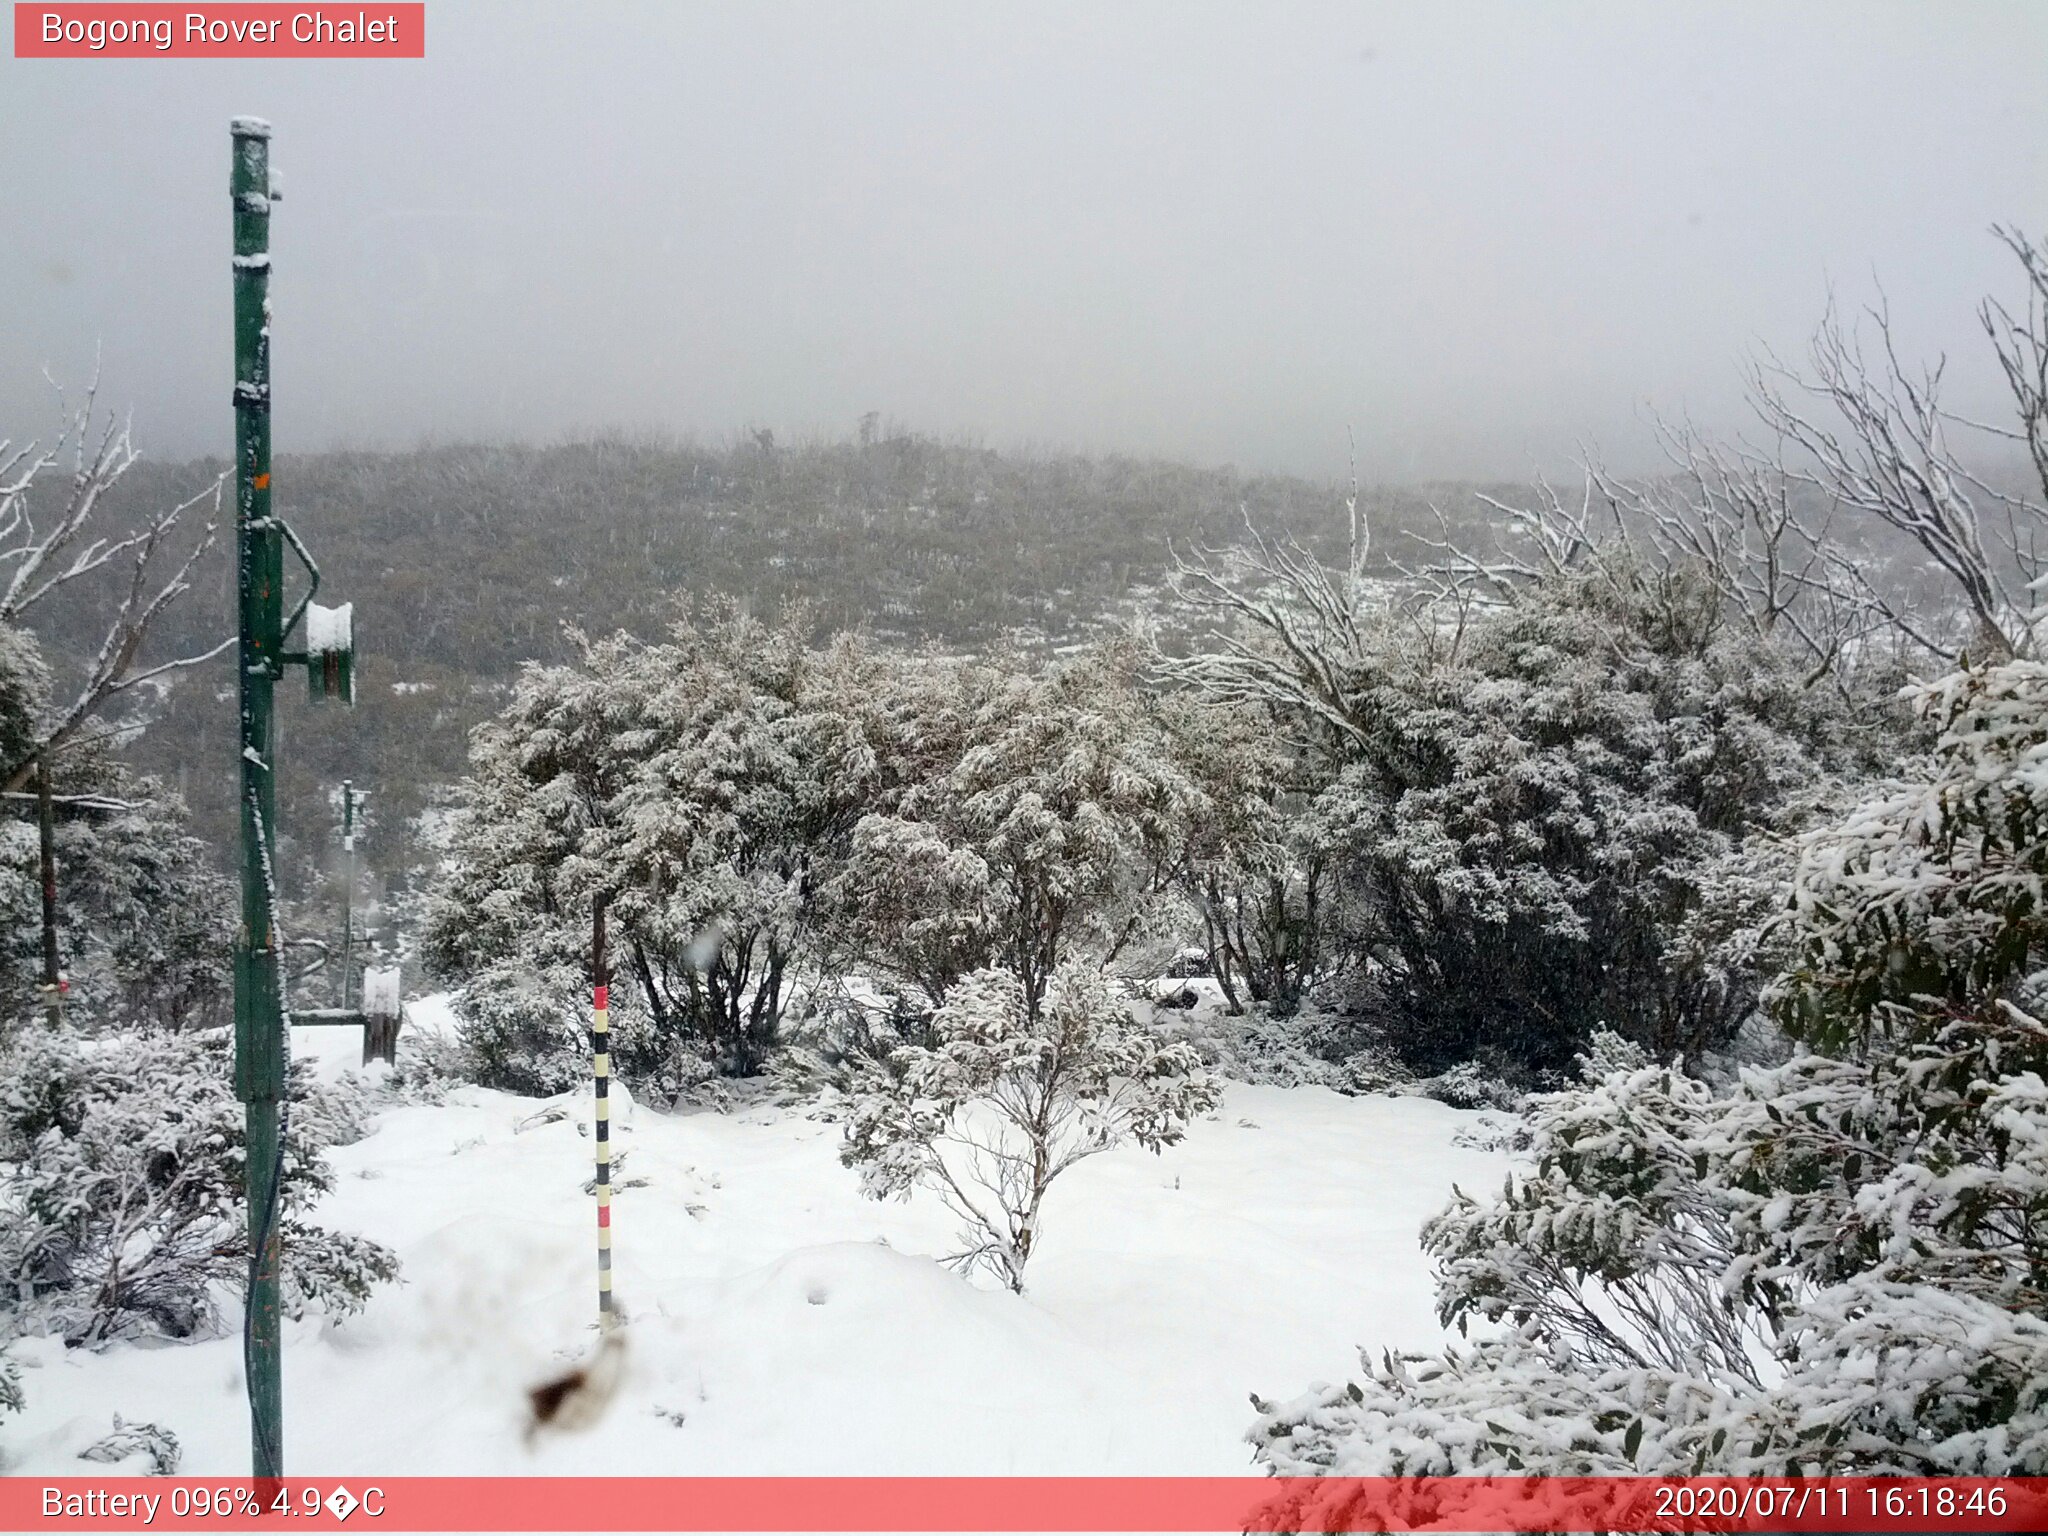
(330, 629)
(249, 127)
(380, 991)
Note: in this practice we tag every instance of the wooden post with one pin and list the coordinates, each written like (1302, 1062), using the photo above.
(382, 1009)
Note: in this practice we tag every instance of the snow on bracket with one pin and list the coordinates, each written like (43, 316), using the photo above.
(380, 992)
(330, 631)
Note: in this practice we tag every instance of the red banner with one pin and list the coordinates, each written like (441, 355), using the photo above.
(918, 1504)
(117, 31)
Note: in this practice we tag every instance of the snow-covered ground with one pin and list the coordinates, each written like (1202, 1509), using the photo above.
(779, 1323)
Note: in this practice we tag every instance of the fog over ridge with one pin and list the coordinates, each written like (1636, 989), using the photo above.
(1479, 233)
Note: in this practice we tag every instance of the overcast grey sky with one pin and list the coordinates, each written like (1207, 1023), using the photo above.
(1219, 231)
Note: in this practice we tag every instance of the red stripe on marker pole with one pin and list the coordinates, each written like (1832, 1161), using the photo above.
(1006, 1504)
(603, 995)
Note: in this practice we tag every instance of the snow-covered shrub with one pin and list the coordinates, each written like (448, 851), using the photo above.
(1580, 821)
(10, 1387)
(1491, 1080)
(1931, 889)
(693, 782)
(1257, 866)
(428, 1065)
(525, 1029)
(1014, 1092)
(1019, 818)
(1838, 1266)
(1688, 1282)
(156, 1446)
(1314, 1047)
(121, 1200)
(1565, 809)
(687, 1074)
(852, 1029)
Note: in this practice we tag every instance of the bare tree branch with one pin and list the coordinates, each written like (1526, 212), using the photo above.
(35, 566)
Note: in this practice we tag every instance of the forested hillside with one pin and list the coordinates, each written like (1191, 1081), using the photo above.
(464, 561)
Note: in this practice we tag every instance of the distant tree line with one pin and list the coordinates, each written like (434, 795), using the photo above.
(466, 561)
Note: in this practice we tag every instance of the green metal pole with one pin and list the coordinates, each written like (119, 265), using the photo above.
(259, 571)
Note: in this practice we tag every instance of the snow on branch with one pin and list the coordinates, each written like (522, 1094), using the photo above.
(1293, 628)
(1870, 434)
(81, 466)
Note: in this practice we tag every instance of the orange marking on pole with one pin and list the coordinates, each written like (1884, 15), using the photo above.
(263, 482)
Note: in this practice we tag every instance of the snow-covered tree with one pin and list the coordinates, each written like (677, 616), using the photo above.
(1579, 819)
(1838, 1266)
(1258, 865)
(50, 495)
(910, 904)
(695, 783)
(1043, 826)
(121, 1202)
(1015, 1089)
(143, 917)
(754, 776)
(1871, 434)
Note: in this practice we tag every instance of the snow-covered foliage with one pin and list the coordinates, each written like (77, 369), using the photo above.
(759, 811)
(1693, 1283)
(1490, 1080)
(691, 781)
(1933, 888)
(524, 1027)
(1841, 1264)
(154, 1448)
(1314, 1046)
(1258, 866)
(1015, 1089)
(143, 918)
(121, 1207)
(428, 1065)
(1578, 822)
(1020, 818)
(1565, 811)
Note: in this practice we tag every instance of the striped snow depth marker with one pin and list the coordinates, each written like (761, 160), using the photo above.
(601, 1058)
(601, 1064)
